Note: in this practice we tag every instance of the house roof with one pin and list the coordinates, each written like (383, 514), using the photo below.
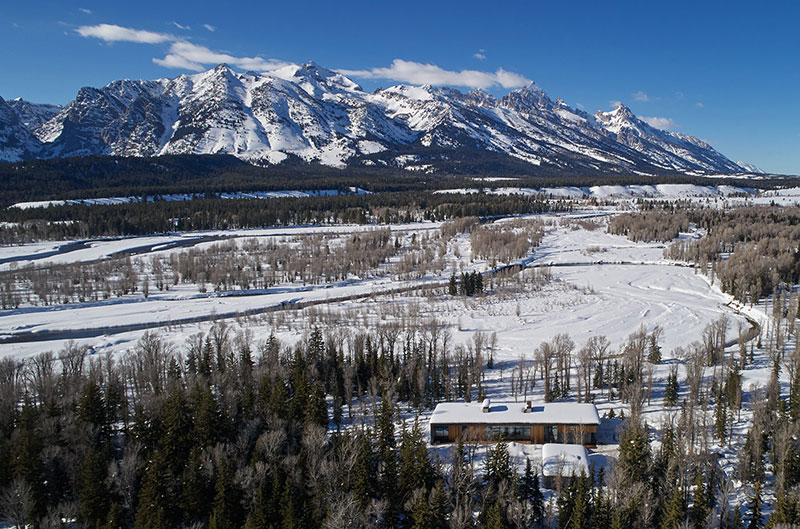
(514, 413)
(564, 460)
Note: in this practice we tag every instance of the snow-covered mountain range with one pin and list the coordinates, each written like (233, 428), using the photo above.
(313, 114)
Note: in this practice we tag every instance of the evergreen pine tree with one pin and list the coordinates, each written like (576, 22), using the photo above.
(634, 453)
(424, 471)
(784, 511)
(421, 512)
(93, 494)
(197, 491)
(498, 466)
(525, 484)
(736, 521)
(494, 517)
(653, 351)
(114, 518)
(317, 407)
(209, 421)
(671, 389)
(700, 508)
(227, 513)
(260, 515)
(675, 511)
(566, 504)
(720, 418)
(176, 428)
(755, 518)
(26, 463)
(387, 457)
(364, 472)
(291, 516)
(156, 506)
(530, 491)
(92, 410)
(581, 507)
(794, 396)
(602, 517)
(440, 508)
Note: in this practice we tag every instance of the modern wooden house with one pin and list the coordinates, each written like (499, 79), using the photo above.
(552, 422)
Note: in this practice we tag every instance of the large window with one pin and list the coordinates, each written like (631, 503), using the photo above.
(509, 432)
(440, 433)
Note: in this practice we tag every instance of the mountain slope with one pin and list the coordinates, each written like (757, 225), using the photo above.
(312, 114)
(17, 142)
(33, 115)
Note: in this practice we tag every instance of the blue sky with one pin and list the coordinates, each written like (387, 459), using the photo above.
(727, 72)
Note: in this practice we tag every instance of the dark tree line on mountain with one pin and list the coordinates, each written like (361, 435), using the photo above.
(752, 252)
(105, 176)
(76, 221)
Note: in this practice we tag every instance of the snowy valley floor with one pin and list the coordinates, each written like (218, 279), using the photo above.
(601, 284)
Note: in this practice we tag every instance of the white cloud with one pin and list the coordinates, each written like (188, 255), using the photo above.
(190, 56)
(479, 56)
(614, 103)
(660, 123)
(180, 26)
(641, 96)
(419, 73)
(182, 54)
(699, 104)
(209, 27)
(114, 33)
(85, 11)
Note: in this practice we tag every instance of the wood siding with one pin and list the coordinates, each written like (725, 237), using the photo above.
(537, 434)
(453, 432)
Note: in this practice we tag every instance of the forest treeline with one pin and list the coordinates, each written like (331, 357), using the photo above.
(105, 176)
(81, 221)
(752, 252)
(255, 264)
(224, 432)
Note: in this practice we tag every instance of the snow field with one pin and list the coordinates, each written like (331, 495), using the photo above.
(602, 285)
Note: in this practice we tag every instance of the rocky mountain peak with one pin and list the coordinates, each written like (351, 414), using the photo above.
(320, 115)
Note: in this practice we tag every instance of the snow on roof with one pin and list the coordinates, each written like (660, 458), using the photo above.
(514, 413)
(564, 460)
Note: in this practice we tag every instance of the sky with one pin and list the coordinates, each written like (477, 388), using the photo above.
(726, 72)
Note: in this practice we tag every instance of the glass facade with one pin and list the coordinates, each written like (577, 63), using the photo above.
(509, 432)
(553, 433)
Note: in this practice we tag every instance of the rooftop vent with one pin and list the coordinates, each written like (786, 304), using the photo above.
(486, 405)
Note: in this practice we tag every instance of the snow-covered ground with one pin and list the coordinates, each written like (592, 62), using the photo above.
(601, 284)
(42, 254)
(659, 191)
(604, 284)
